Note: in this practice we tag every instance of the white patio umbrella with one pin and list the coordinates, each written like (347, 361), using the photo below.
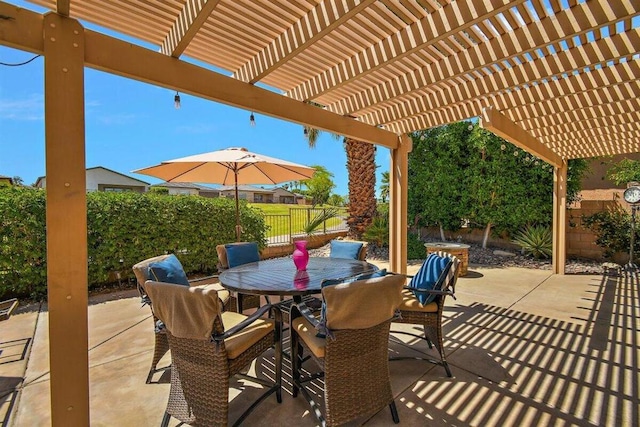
(231, 166)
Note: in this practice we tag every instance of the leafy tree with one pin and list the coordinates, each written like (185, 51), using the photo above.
(18, 181)
(461, 171)
(336, 200)
(626, 170)
(384, 187)
(438, 165)
(319, 186)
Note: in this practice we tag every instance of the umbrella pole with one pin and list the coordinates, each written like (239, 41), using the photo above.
(238, 228)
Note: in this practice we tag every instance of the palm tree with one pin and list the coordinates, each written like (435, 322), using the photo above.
(361, 167)
(384, 187)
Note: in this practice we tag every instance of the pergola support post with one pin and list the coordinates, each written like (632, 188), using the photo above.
(66, 220)
(398, 182)
(559, 255)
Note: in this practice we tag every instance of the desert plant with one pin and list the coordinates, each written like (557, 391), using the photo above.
(314, 223)
(378, 231)
(535, 240)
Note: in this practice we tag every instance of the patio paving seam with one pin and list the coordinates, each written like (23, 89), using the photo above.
(119, 333)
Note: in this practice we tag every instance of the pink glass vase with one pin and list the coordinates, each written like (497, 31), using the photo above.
(300, 255)
(301, 280)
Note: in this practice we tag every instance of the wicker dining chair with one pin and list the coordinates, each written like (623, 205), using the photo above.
(143, 273)
(428, 313)
(208, 347)
(243, 301)
(354, 356)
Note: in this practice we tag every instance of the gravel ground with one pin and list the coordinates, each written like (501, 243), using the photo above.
(480, 256)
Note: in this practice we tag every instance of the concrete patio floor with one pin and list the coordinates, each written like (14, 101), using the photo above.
(525, 348)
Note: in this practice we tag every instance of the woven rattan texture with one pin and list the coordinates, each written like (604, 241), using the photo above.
(356, 366)
(199, 393)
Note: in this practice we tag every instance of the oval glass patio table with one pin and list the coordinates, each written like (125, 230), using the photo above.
(279, 277)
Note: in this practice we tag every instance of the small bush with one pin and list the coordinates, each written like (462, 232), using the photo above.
(415, 247)
(613, 230)
(535, 240)
(378, 232)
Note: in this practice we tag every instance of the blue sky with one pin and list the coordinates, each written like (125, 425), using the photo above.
(130, 125)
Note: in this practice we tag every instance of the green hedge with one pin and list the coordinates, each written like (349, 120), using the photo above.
(123, 228)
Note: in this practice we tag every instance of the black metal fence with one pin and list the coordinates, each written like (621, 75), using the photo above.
(283, 228)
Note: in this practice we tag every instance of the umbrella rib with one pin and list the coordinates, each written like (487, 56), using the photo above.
(185, 172)
(283, 167)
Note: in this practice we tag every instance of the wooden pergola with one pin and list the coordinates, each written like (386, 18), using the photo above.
(558, 78)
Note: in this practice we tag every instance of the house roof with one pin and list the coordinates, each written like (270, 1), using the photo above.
(40, 178)
(118, 173)
(560, 78)
(250, 188)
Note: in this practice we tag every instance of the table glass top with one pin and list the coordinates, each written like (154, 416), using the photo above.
(279, 276)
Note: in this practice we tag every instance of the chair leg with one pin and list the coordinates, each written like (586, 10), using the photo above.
(296, 354)
(165, 420)
(278, 352)
(394, 412)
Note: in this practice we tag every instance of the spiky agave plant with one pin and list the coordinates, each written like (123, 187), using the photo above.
(535, 240)
(314, 223)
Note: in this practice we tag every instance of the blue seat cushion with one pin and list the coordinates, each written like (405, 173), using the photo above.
(243, 253)
(332, 282)
(342, 249)
(427, 277)
(169, 270)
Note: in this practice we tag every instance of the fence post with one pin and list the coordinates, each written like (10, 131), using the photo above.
(290, 227)
(324, 223)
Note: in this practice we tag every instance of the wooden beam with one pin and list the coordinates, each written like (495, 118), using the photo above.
(612, 124)
(450, 19)
(320, 21)
(125, 59)
(398, 225)
(192, 16)
(546, 72)
(497, 123)
(559, 256)
(63, 7)
(485, 53)
(21, 28)
(108, 54)
(66, 220)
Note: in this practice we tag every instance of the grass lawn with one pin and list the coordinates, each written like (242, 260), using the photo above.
(280, 225)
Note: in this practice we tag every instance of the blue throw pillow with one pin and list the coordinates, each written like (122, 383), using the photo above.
(342, 249)
(169, 270)
(244, 253)
(427, 277)
(332, 282)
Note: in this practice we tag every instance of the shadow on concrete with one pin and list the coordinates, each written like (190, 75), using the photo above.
(534, 370)
(14, 350)
(8, 397)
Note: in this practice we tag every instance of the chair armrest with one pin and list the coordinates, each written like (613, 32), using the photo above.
(301, 309)
(430, 291)
(207, 279)
(240, 326)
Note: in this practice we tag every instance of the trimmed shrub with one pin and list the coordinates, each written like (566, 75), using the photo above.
(123, 228)
(613, 231)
